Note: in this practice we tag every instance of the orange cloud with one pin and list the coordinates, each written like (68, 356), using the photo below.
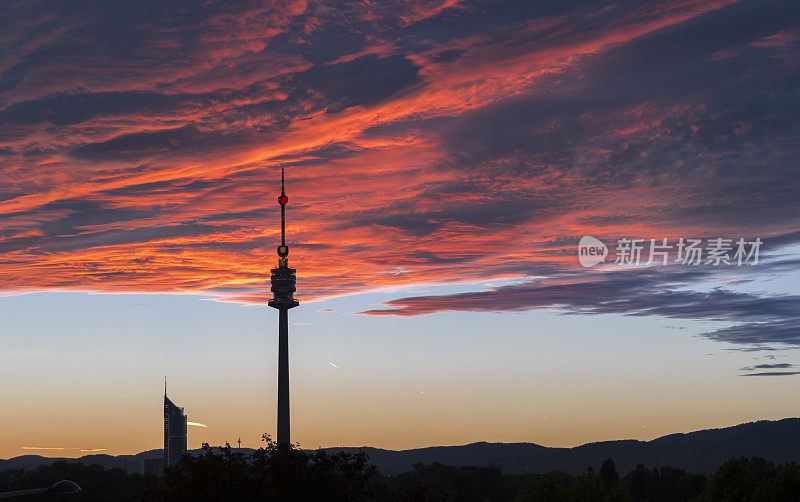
(161, 174)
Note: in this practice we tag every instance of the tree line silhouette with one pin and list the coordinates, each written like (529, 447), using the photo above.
(274, 473)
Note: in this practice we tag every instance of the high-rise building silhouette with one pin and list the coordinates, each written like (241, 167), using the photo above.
(174, 431)
(283, 287)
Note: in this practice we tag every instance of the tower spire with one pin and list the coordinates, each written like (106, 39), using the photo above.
(282, 200)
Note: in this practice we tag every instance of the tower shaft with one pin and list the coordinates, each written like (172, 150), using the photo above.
(283, 377)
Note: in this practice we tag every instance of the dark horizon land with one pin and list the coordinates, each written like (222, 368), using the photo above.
(702, 465)
(696, 451)
(401, 224)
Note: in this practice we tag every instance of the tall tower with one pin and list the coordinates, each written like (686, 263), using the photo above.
(283, 287)
(174, 431)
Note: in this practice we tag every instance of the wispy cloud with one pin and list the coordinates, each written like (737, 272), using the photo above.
(767, 366)
(755, 319)
(773, 373)
(59, 448)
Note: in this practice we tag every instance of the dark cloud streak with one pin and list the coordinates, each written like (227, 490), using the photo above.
(757, 319)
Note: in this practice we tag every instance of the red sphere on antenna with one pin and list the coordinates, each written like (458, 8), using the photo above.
(283, 199)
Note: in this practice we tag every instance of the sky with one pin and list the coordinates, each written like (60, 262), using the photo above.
(443, 160)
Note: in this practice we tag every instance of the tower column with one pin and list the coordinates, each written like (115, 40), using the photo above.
(283, 377)
(283, 282)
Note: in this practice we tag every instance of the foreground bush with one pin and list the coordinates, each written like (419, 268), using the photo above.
(272, 473)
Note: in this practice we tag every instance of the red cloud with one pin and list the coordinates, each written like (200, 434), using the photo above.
(158, 171)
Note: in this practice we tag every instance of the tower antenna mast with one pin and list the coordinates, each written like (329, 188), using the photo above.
(282, 200)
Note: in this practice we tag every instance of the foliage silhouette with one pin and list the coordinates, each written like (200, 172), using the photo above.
(754, 479)
(609, 477)
(272, 473)
(287, 474)
(97, 483)
(441, 482)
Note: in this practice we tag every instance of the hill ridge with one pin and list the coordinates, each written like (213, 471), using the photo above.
(696, 451)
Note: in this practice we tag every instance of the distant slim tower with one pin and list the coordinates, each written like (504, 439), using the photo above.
(283, 288)
(174, 431)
